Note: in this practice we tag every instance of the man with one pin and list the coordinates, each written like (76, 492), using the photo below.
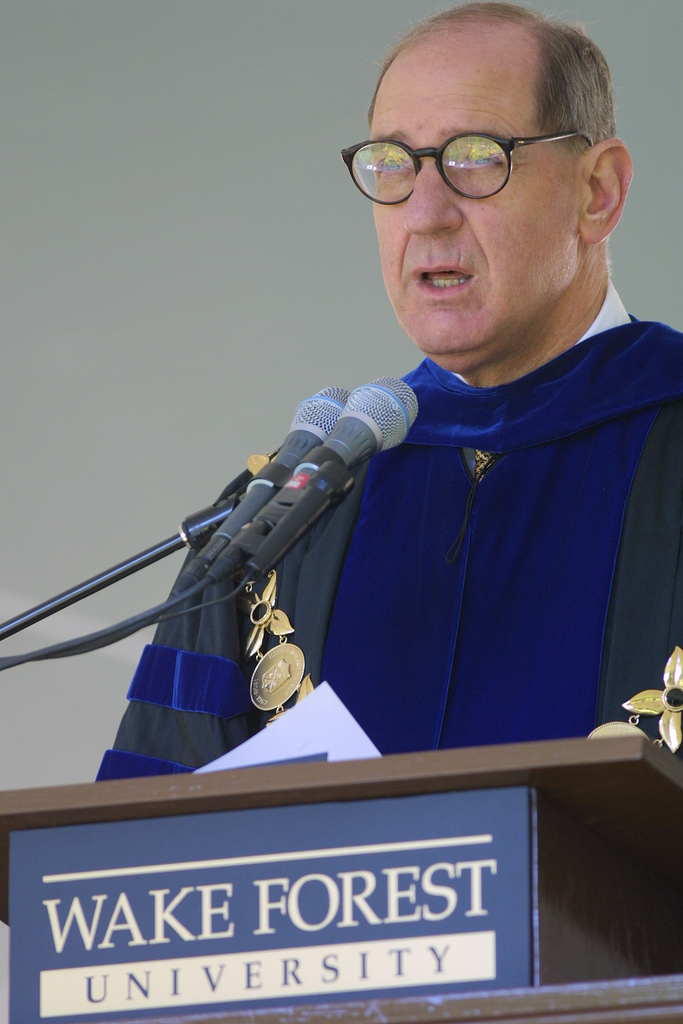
(512, 571)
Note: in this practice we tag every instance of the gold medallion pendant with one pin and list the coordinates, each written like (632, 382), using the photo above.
(616, 729)
(277, 677)
(279, 674)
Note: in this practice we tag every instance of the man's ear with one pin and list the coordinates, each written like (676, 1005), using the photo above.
(606, 174)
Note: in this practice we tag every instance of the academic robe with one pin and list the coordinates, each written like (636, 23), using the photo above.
(564, 598)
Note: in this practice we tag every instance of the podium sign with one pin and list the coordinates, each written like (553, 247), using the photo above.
(404, 895)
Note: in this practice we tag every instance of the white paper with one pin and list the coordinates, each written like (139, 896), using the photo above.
(319, 724)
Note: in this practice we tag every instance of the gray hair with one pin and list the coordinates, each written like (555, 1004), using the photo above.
(574, 86)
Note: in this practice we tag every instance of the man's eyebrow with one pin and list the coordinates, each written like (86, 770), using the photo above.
(390, 136)
(399, 136)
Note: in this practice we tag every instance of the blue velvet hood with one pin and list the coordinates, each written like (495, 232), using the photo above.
(505, 643)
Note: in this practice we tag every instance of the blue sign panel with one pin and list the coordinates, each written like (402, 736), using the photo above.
(277, 905)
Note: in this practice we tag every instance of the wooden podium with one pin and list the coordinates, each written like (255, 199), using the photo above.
(607, 853)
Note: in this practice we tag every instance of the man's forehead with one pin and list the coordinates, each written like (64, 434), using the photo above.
(481, 76)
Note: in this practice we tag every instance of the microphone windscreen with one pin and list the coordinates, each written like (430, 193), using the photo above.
(390, 403)
(321, 410)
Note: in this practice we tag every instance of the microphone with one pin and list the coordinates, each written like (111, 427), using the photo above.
(377, 416)
(313, 421)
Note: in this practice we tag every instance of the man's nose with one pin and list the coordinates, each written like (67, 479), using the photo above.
(433, 206)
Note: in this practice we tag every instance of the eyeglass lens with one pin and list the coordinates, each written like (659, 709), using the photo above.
(474, 164)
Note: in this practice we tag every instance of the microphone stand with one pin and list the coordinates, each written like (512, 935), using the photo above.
(193, 533)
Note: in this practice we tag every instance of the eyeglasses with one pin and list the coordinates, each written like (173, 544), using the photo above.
(474, 166)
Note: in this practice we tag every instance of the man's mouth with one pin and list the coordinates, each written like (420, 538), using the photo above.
(445, 278)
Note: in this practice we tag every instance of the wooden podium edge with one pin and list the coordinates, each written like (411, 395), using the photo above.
(652, 1000)
(624, 788)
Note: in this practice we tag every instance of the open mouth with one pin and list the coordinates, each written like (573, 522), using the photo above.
(446, 278)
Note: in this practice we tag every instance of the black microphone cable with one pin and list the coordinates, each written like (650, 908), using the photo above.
(104, 637)
(376, 417)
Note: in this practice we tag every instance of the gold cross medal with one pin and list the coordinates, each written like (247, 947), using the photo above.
(668, 703)
(280, 672)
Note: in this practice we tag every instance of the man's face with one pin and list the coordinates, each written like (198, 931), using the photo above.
(482, 286)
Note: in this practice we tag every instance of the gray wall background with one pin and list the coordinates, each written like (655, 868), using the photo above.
(183, 258)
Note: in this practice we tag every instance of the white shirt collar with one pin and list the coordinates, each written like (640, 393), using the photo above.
(612, 314)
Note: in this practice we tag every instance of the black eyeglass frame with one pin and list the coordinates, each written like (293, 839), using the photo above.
(417, 155)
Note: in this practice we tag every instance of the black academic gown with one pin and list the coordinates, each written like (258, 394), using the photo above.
(644, 618)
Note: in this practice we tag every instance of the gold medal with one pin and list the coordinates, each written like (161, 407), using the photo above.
(277, 676)
(616, 729)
